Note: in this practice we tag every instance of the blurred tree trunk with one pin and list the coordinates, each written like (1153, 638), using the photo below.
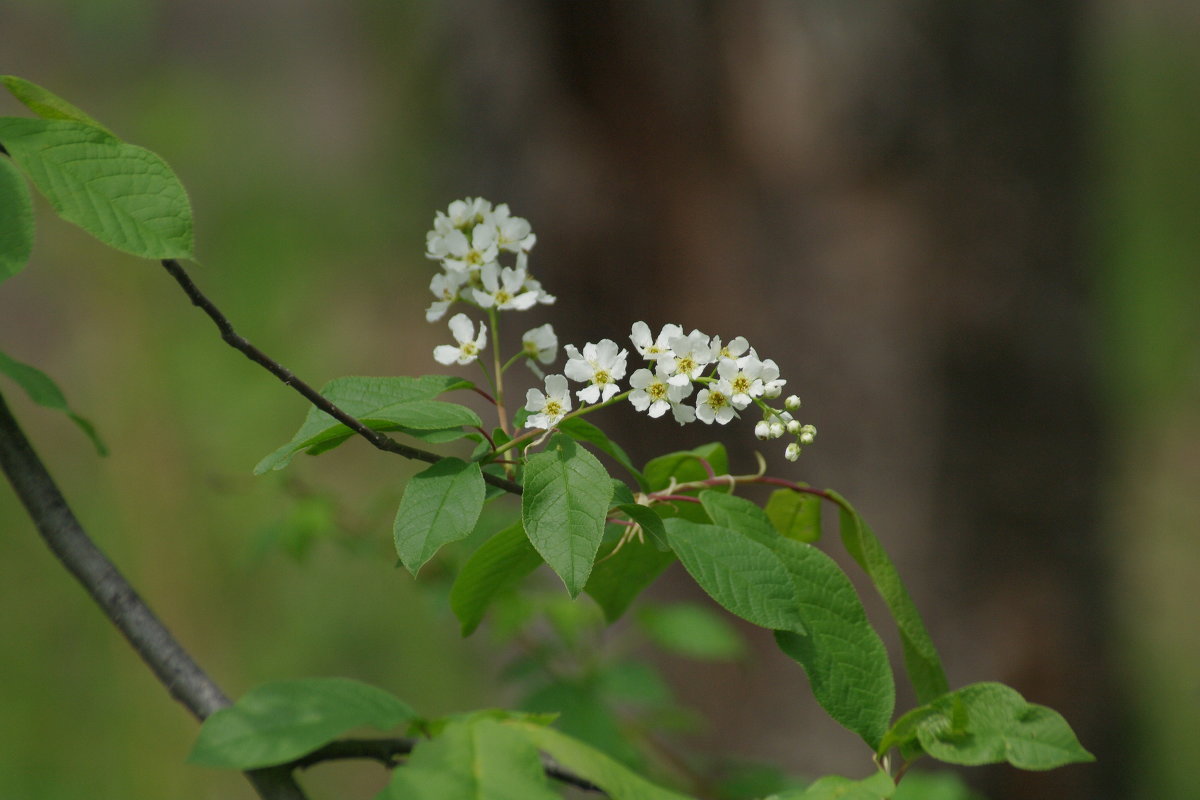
(884, 197)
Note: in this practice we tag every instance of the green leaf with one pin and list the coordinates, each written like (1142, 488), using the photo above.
(592, 765)
(795, 515)
(281, 721)
(481, 759)
(685, 466)
(877, 787)
(379, 403)
(933, 786)
(46, 104)
(651, 523)
(622, 493)
(584, 715)
(921, 659)
(125, 196)
(988, 723)
(581, 430)
(16, 221)
(743, 576)
(620, 577)
(440, 505)
(845, 660)
(45, 392)
(693, 631)
(566, 500)
(496, 567)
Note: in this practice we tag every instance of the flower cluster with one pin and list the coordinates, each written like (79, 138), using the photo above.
(727, 378)
(469, 239)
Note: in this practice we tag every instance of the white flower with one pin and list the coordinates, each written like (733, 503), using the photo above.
(551, 407)
(469, 346)
(445, 286)
(469, 255)
(601, 365)
(467, 213)
(713, 404)
(657, 347)
(512, 233)
(540, 344)
(653, 394)
(502, 288)
(735, 349)
(772, 383)
(744, 379)
(688, 357)
(792, 452)
(683, 414)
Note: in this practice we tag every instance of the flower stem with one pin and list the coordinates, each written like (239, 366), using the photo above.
(524, 437)
(501, 413)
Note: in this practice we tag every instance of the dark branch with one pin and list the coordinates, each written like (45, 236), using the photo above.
(238, 342)
(390, 753)
(170, 663)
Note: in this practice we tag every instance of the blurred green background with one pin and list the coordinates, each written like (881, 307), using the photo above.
(967, 233)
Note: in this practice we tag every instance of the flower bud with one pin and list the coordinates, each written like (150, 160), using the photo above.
(777, 429)
(793, 427)
(793, 452)
(762, 429)
(792, 403)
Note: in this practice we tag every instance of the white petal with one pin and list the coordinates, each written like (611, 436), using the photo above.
(556, 386)
(446, 354)
(589, 394)
(462, 328)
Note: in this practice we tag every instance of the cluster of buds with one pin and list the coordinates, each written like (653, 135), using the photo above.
(777, 424)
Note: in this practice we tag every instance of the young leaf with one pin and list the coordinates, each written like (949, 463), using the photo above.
(581, 430)
(46, 104)
(45, 392)
(845, 660)
(621, 576)
(440, 505)
(125, 196)
(988, 723)
(877, 787)
(497, 566)
(795, 515)
(16, 222)
(566, 500)
(281, 721)
(692, 631)
(380, 403)
(921, 659)
(592, 765)
(480, 759)
(743, 576)
(686, 465)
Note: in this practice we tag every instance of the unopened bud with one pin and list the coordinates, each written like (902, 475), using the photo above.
(792, 403)
(793, 452)
(762, 429)
(777, 430)
(793, 427)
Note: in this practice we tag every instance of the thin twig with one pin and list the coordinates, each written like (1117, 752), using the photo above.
(380, 440)
(166, 657)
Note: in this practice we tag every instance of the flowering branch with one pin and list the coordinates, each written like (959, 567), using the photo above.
(240, 343)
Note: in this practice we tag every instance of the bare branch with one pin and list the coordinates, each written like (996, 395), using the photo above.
(166, 657)
(240, 343)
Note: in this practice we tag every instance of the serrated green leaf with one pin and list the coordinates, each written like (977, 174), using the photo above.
(685, 465)
(620, 577)
(743, 576)
(16, 221)
(590, 764)
(845, 660)
(622, 493)
(124, 195)
(563, 507)
(795, 515)
(440, 505)
(581, 430)
(693, 631)
(278, 722)
(498, 565)
(478, 760)
(45, 392)
(988, 723)
(921, 660)
(379, 403)
(834, 787)
(45, 103)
